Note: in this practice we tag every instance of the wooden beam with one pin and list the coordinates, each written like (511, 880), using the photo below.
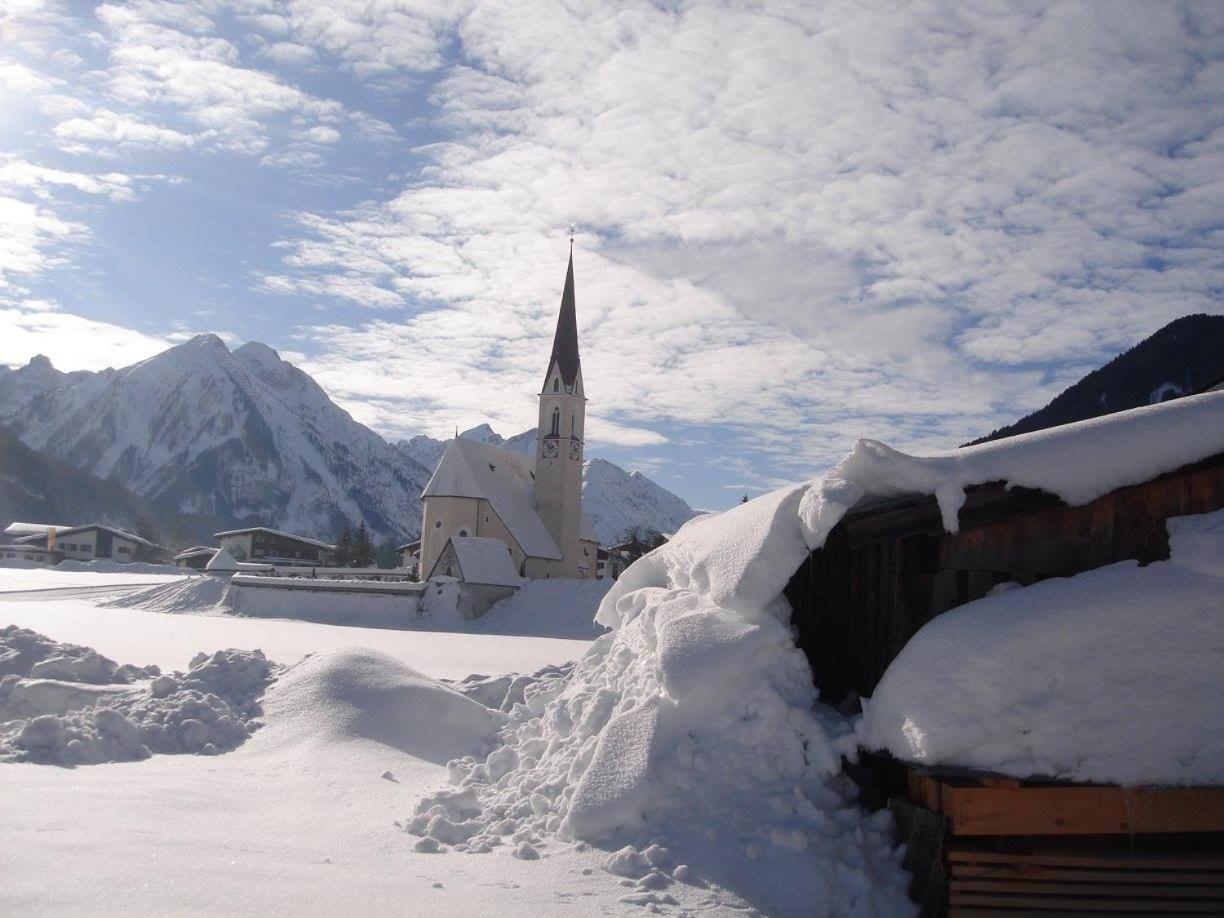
(1080, 810)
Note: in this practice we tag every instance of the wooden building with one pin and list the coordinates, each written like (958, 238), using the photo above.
(888, 567)
(271, 546)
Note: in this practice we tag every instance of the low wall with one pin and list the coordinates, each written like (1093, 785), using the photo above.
(331, 602)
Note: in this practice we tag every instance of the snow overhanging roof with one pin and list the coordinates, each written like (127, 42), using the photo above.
(72, 530)
(477, 470)
(485, 561)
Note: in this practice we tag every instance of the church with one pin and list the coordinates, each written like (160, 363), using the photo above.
(532, 504)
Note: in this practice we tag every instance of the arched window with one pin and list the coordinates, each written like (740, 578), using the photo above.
(462, 533)
(556, 423)
(556, 384)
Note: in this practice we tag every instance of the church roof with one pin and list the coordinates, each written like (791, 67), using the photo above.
(565, 341)
(469, 468)
(485, 561)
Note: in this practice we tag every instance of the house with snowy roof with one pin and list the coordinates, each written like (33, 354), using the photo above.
(90, 542)
(530, 504)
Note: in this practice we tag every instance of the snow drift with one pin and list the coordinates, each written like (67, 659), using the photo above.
(1113, 675)
(189, 594)
(67, 705)
(356, 694)
(692, 730)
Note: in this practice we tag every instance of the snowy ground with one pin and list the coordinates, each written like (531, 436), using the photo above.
(15, 579)
(310, 813)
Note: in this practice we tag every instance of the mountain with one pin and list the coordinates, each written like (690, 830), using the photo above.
(220, 439)
(38, 488)
(1179, 359)
(212, 439)
(613, 499)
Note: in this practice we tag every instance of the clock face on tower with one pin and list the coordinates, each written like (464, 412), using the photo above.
(575, 449)
(550, 449)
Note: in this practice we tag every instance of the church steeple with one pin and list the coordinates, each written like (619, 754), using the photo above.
(565, 341)
(557, 488)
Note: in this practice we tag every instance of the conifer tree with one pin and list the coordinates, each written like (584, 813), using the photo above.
(363, 547)
(344, 548)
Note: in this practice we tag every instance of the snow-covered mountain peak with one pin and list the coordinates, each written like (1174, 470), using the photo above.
(483, 433)
(229, 438)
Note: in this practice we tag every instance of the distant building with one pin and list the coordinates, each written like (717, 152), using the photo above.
(410, 555)
(93, 542)
(195, 558)
(532, 505)
(271, 546)
(34, 554)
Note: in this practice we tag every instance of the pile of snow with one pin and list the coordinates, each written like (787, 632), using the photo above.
(686, 739)
(29, 654)
(355, 694)
(189, 594)
(545, 608)
(101, 566)
(689, 738)
(1114, 675)
(67, 705)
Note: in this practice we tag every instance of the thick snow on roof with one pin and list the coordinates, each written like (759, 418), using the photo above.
(485, 561)
(72, 530)
(1113, 675)
(1078, 462)
(275, 532)
(477, 470)
(28, 529)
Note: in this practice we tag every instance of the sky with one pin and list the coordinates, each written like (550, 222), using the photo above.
(796, 223)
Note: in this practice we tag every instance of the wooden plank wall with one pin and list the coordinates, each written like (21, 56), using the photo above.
(883, 574)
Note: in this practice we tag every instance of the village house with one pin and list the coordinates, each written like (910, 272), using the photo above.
(271, 546)
(531, 504)
(91, 542)
(195, 558)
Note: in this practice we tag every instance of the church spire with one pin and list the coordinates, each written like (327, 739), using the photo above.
(565, 341)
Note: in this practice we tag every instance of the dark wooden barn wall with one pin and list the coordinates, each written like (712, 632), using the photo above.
(884, 573)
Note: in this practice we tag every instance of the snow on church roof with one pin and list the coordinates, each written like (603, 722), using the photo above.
(505, 480)
(485, 561)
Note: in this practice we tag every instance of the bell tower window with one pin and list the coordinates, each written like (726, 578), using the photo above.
(556, 384)
(556, 423)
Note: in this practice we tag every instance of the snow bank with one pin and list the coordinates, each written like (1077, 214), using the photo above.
(686, 739)
(67, 705)
(1114, 675)
(118, 567)
(365, 603)
(355, 694)
(546, 608)
(190, 594)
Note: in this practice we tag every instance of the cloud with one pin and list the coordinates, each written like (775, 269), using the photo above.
(34, 228)
(108, 132)
(72, 342)
(799, 225)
